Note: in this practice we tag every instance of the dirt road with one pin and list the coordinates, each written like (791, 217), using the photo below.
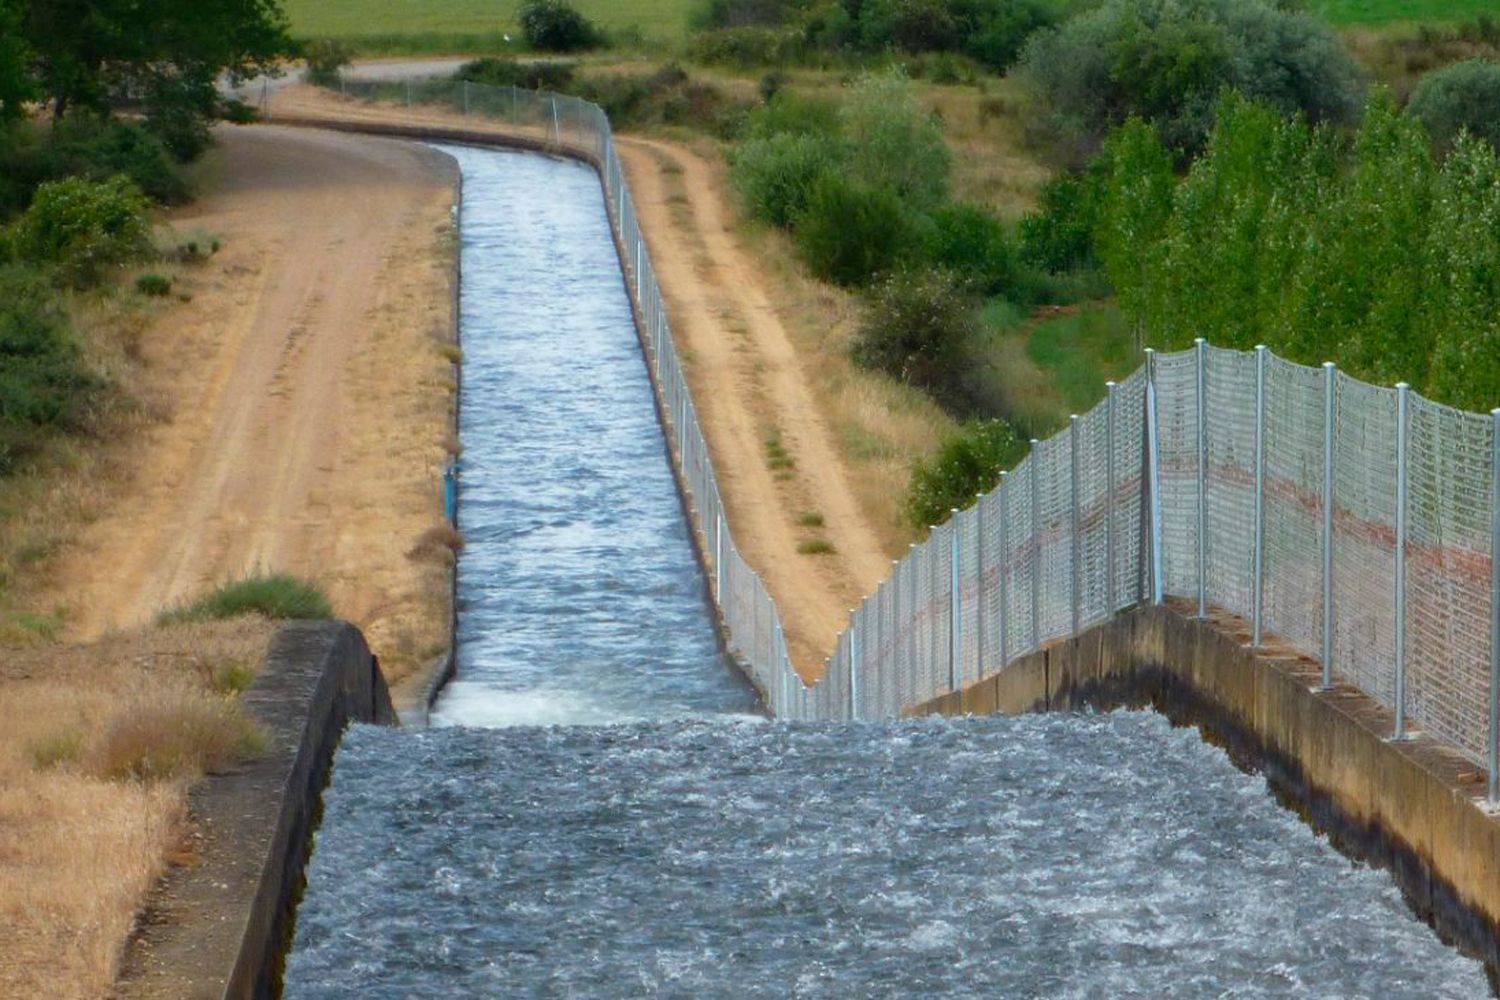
(308, 394)
(782, 474)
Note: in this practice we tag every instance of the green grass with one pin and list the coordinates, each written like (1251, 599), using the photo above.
(275, 596)
(1353, 13)
(1081, 351)
(416, 26)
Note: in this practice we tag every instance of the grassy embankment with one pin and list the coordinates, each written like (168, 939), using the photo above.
(411, 27)
(98, 741)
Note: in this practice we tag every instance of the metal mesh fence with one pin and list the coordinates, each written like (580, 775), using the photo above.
(1395, 577)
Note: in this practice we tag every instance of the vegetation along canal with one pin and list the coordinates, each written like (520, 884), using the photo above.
(599, 810)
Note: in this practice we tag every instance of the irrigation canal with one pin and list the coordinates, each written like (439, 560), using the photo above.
(599, 811)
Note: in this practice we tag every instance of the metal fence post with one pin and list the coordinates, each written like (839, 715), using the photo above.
(1494, 733)
(466, 98)
(719, 558)
(1403, 393)
(1258, 584)
(893, 627)
(556, 128)
(854, 636)
(1200, 351)
(1036, 549)
(955, 603)
(408, 93)
(1330, 374)
(1111, 606)
(1153, 479)
(1002, 568)
(979, 573)
(1075, 573)
(911, 615)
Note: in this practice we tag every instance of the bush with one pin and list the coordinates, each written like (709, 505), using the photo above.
(555, 26)
(918, 326)
(1463, 96)
(848, 233)
(275, 596)
(1167, 61)
(181, 736)
(894, 141)
(1059, 236)
(42, 377)
(967, 464)
(154, 285)
(744, 13)
(83, 227)
(88, 146)
(788, 113)
(776, 176)
(970, 243)
(326, 59)
(747, 48)
(502, 71)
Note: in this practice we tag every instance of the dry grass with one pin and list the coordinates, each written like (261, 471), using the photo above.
(881, 426)
(441, 542)
(97, 744)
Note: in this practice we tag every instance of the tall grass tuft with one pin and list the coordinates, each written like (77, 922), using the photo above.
(275, 596)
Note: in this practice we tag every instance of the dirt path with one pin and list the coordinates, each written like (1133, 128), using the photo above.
(751, 390)
(306, 387)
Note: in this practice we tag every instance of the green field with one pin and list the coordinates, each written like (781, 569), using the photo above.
(1350, 13)
(430, 23)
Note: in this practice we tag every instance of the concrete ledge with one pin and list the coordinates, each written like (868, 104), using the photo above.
(1413, 807)
(220, 927)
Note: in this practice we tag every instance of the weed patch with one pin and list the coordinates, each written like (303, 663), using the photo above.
(275, 596)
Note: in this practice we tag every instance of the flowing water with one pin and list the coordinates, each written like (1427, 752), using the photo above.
(598, 812)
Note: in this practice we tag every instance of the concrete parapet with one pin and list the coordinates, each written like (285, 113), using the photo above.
(1414, 807)
(220, 928)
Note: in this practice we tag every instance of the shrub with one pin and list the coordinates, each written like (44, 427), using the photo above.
(176, 737)
(83, 227)
(88, 146)
(970, 243)
(894, 141)
(1059, 236)
(42, 376)
(179, 117)
(1167, 61)
(154, 285)
(747, 48)
(743, 13)
(789, 113)
(555, 26)
(502, 71)
(275, 596)
(776, 175)
(917, 326)
(326, 59)
(849, 232)
(968, 463)
(1463, 96)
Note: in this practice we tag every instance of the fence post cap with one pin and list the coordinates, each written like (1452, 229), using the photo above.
(1329, 364)
(1402, 386)
(1200, 340)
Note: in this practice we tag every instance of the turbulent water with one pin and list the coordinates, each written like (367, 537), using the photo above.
(580, 597)
(599, 815)
(1034, 856)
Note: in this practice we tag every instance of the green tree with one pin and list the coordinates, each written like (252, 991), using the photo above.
(1463, 310)
(15, 78)
(1464, 96)
(1168, 60)
(1137, 203)
(169, 53)
(1359, 294)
